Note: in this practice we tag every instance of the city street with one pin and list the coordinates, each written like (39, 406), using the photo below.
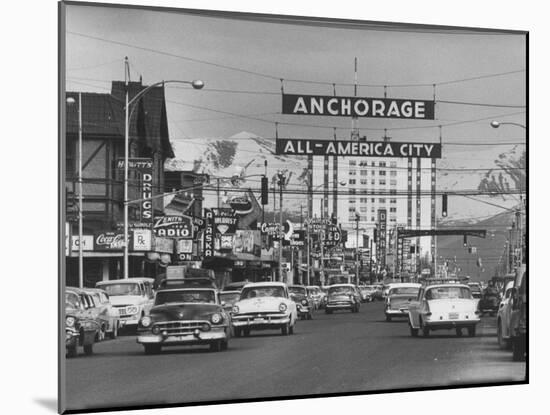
(342, 352)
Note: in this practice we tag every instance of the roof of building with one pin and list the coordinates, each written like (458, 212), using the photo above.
(103, 115)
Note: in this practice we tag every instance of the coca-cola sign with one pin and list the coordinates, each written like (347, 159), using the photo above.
(108, 241)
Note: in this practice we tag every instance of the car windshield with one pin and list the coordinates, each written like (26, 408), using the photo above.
(297, 290)
(273, 291)
(441, 293)
(404, 291)
(313, 291)
(185, 296)
(122, 289)
(71, 300)
(340, 290)
(230, 298)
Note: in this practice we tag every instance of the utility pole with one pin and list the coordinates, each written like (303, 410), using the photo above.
(357, 217)
(282, 178)
(80, 196)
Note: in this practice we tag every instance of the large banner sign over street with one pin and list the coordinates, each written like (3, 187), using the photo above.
(358, 107)
(298, 147)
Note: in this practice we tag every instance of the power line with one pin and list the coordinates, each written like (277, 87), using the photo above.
(279, 78)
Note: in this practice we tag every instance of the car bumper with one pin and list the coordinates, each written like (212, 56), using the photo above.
(402, 312)
(71, 338)
(129, 321)
(340, 305)
(192, 338)
(450, 324)
(260, 322)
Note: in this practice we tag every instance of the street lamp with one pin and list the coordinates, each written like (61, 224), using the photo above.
(196, 84)
(496, 124)
(71, 101)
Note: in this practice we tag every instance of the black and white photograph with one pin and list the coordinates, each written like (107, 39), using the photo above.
(264, 206)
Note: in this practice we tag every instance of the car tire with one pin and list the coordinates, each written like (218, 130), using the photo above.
(285, 329)
(425, 329)
(518, 349)
(225, 344)
(88, 349)
(309, 316)
(291, 330)
(414, 332)
(72, 351)
(388, 318)
(472, 331)
(114, 333)
(328, 311)
(152, 348)
(503, 344)
(237, 331)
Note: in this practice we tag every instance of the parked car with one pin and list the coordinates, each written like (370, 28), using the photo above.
(262, 306)
(511, 317)
(105, 313)
(316, 294)
(475, 288)
(185, 316)
(444, 306)
(80, 327)
(132, 297)
(304, 303)
(342, 297)
(399, 298)
(489, 301)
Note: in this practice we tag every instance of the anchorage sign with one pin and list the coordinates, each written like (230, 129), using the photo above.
(358, 107)
(296, 147)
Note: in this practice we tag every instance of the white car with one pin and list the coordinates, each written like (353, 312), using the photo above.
(132, 297)
(444, 306)
(264, 305)
(503, 317)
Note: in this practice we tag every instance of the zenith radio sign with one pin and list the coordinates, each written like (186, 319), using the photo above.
(358, 107)
(298, 147)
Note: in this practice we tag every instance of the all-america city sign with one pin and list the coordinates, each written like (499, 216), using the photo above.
(315, 147)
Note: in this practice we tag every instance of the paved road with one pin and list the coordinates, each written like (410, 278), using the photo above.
(331, 353)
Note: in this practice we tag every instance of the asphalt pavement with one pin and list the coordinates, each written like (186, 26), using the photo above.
(341, 352)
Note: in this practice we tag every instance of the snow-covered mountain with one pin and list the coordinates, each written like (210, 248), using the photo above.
(244, 154)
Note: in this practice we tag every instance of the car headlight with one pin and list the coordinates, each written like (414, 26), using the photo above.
(282, 307)
(216, 318)
(146, 321)
(304, 302)
(235, 309)
(132, 309)
(69, 321)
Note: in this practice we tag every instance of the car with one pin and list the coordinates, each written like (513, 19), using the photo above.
(235, 286)
(263, 306)
(182, 317)
(81, 329)
(511, 317)
(342, 297)
(489, 301)
(475, 287)
(369, 291)
(378, 293)
(132, 297)
(228, 299)
(304, 303)
(399, 298)
(316, 295)
(105, 313)
(443, 305)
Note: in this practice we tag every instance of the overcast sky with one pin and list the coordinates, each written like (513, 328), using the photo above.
(298, 52)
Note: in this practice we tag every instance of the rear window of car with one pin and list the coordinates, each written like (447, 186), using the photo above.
(404, 290)
(340, 290)
(441, 293)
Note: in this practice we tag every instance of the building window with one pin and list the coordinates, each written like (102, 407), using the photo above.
(352, 162)
(393, 192)
(373, 182)
(382, 164)
(352, 173)
(364, 182)
(393, 200)
(372, 218)
(363, 209)
(351, 201)
(351, 181)
(373, 200)
(363, 200)
(393, 173)
(351, 209)
(351, 191)
(392, 209)
(382, 200)
(393, 182)
(382, 182)
(364, 172)
(393, 163)
(372, 209)
(382, 172)
(373, 172)
(393, 219)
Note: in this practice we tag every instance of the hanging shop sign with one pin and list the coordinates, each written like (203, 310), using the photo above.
(332, 236)
(144, 167)
(241, 204)
(173, 226)
(208, 238)
(87, 243)
(184, 250)
(141, 240)
(198, 224)
(299, 104)
(136, 163)
(225, 220)
(381, 246)
(297, 238)
(349, 148)
(272, 229)
(224, 242)
(247, 242)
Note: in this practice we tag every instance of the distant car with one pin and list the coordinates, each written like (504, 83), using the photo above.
(399, 298)
(228, 299)
(441, 306)
(316, 294)
(378, 293)
(370, 292)
(304, 303)
(263, 306)
(106, 314)
(81, 329)
(132, 297)
(185, 316)
(475, 287)
(489, 301)
(342, 297)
